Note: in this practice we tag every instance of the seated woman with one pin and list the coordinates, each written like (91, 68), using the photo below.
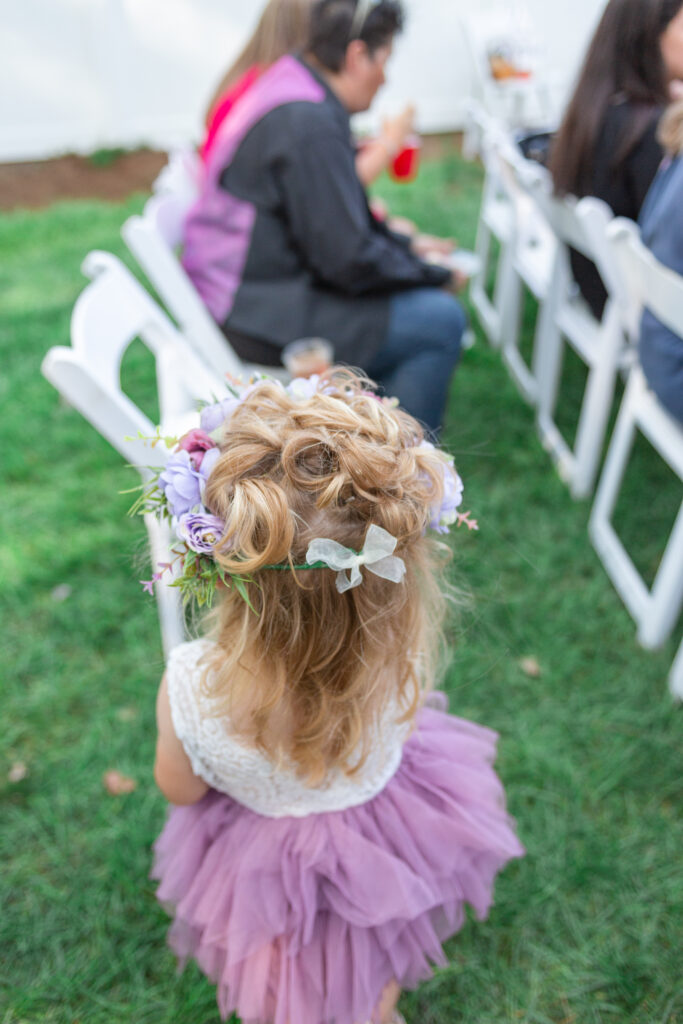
(284, 28)
(661, 351)
(281, 243)
(607, 143)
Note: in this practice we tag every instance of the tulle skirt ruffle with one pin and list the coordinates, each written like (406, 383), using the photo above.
(306, 920)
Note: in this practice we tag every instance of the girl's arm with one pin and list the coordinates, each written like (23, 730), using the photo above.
(172, 769)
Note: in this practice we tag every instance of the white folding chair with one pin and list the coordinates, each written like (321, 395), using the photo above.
(600, 344)
(155, 238)
(650, 285)
(181, 176)
(495, 226)
(111, 312)
(516, 102)
(529, 266)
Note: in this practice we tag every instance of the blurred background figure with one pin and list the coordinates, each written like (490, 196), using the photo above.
(607, 143)
(282, 244)
(661, 351)
(284, 28)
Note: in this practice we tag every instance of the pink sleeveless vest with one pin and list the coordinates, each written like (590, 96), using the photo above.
(219, 226)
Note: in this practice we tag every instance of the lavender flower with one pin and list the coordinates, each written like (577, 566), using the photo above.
(200, 532)
(180, 483)
(208, 462)
(446, 513)
(214, 416)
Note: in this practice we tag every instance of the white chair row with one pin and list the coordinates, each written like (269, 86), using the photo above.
(534, 232)
(644, 283)
(518, 211)
(155, 239)
(192, 359)
(111, 312)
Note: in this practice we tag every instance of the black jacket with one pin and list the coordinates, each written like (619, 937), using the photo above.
(318, 262)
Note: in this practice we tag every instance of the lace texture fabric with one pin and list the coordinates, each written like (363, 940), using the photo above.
(247, 775)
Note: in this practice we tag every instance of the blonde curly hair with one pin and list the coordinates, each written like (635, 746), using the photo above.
(308, 676)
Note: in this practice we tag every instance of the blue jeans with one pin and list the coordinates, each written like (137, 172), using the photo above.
(420, 352)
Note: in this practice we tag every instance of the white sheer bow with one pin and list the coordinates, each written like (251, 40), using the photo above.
(377, 555)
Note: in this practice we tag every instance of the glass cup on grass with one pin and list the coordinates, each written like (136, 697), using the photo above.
(308, 356)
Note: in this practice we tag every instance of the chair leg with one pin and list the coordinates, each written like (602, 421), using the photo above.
(615, 558)
(617, 456)
(487, 308)
(664, 606)
(510, 329)
(595, 408)
(657, 610)
(676, 675)
(169, 602)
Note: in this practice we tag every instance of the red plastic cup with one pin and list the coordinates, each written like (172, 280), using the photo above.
(406, 163)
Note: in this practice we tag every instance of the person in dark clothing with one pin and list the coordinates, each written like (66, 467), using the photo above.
(282, 244)
(607, 143)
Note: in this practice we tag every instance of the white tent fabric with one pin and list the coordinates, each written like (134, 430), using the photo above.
(81, 74)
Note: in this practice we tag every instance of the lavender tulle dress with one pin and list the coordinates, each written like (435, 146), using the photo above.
(302, 905)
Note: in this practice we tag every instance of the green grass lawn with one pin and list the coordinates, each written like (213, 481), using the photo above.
(587, 929)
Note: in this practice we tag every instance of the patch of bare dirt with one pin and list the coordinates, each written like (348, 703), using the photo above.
(114, 177)
(42, 182)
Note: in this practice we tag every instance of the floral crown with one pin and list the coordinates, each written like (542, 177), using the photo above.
(176, 493)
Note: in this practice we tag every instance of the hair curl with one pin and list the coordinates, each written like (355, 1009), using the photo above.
(308, 676)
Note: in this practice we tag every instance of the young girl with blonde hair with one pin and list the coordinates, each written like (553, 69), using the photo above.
(330, 824)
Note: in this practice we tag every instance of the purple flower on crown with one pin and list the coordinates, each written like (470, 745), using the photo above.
(214, 416)
(180, 482)
(208, 462)
(445, 514)
(200, 532)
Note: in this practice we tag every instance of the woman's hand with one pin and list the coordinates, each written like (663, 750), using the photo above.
(395, 130)
(429, 247)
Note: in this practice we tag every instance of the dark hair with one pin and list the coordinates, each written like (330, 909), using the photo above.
(624, 61)
(331, 26)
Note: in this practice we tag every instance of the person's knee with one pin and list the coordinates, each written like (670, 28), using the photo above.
(447, 322)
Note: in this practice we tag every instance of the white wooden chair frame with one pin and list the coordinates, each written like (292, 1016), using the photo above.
(648, 285)
(514, 103)
(154, 238)
(676, 675)
(600, 344)
(109, 314)
(495, 224)
(532, 256)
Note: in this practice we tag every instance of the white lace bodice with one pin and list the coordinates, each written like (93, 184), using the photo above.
(247, 775)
